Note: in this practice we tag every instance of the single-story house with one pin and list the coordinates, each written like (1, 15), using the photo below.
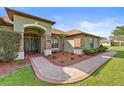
(38, 35)
(117, 43)
(105, 42)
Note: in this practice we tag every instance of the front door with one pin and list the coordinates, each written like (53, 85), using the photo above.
(31, 44)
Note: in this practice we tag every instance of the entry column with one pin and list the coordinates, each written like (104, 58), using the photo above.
(48, 45)
(21, 49)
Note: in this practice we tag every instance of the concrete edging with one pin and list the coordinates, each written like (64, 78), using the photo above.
(54, 80)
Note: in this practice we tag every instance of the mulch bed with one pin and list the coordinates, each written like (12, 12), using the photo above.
(66, 58)
(8, 67)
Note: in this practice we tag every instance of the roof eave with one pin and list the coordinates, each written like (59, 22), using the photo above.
(85, 34)
(11, 12)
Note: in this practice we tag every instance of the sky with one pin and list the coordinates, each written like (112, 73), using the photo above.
(98, 21)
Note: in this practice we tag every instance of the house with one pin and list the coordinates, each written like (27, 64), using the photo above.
(117, 43)
(38, 35)
(105, 42)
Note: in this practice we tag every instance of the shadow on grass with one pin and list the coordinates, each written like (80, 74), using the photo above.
(120, 54)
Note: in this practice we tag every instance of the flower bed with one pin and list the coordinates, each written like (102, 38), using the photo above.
(66, 58)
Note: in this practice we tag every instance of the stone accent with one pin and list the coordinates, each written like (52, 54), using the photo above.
(21, 49)
(48, 42)
(48, 49)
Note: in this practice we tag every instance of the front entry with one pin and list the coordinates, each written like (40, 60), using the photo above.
(31, 44)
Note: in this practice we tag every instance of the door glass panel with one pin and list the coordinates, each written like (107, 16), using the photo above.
(31, 44)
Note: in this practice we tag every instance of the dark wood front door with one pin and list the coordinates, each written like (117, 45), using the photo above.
(31, 44)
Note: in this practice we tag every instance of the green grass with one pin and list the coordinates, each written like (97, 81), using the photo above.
(112, 73)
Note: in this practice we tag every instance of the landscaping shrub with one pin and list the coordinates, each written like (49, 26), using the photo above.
(101, 49)
(72, 58)
(79, 55)
(88, 51)
(72, 53)
(94, 50)
(62, 61)
(54, 57)
(9, 45)
(19, 61)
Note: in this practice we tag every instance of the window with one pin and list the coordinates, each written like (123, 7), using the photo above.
(77, 43)
(55, 42)
(91, 42)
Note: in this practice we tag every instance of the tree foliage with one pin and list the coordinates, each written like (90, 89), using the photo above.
(118, 34)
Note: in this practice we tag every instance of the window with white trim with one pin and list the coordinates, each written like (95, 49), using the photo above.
(55, 42)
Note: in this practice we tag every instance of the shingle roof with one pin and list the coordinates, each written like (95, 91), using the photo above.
(105, 41)
(56, 31)
(71, 32)
(75, 32)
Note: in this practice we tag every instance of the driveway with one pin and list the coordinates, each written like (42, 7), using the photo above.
(51, 73)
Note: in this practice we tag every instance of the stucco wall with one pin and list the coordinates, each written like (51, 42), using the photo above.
(70, 42)
(6, 28)
(69, 45)
(95, 43)
(20, 21)
(87, 42)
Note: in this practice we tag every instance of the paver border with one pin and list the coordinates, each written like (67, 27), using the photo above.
(42, 77)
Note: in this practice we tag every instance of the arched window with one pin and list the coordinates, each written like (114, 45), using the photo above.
(55, 42)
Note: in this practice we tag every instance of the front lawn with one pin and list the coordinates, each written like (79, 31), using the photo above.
(112, 73)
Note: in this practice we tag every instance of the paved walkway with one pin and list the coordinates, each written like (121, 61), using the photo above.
(51, 73)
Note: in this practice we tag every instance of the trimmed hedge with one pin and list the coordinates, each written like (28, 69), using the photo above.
(88, 51)
(94, 50)
(9, 45)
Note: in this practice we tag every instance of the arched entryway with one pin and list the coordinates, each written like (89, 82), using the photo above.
(33, 40)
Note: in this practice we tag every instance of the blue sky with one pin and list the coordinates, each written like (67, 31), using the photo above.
(98, 21)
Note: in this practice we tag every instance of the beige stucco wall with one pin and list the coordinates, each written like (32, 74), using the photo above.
(95, 42)
(6, 28)
(69, 44)
(87, 41)
(20, 21)
(70, 41)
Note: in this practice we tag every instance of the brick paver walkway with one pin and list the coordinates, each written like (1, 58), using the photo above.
(51, 73)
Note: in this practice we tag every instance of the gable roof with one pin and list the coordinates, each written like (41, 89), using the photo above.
(72, 32)
(12, 12)
(57, 31)
(4, 20)
(76, 32)
(105, 41)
